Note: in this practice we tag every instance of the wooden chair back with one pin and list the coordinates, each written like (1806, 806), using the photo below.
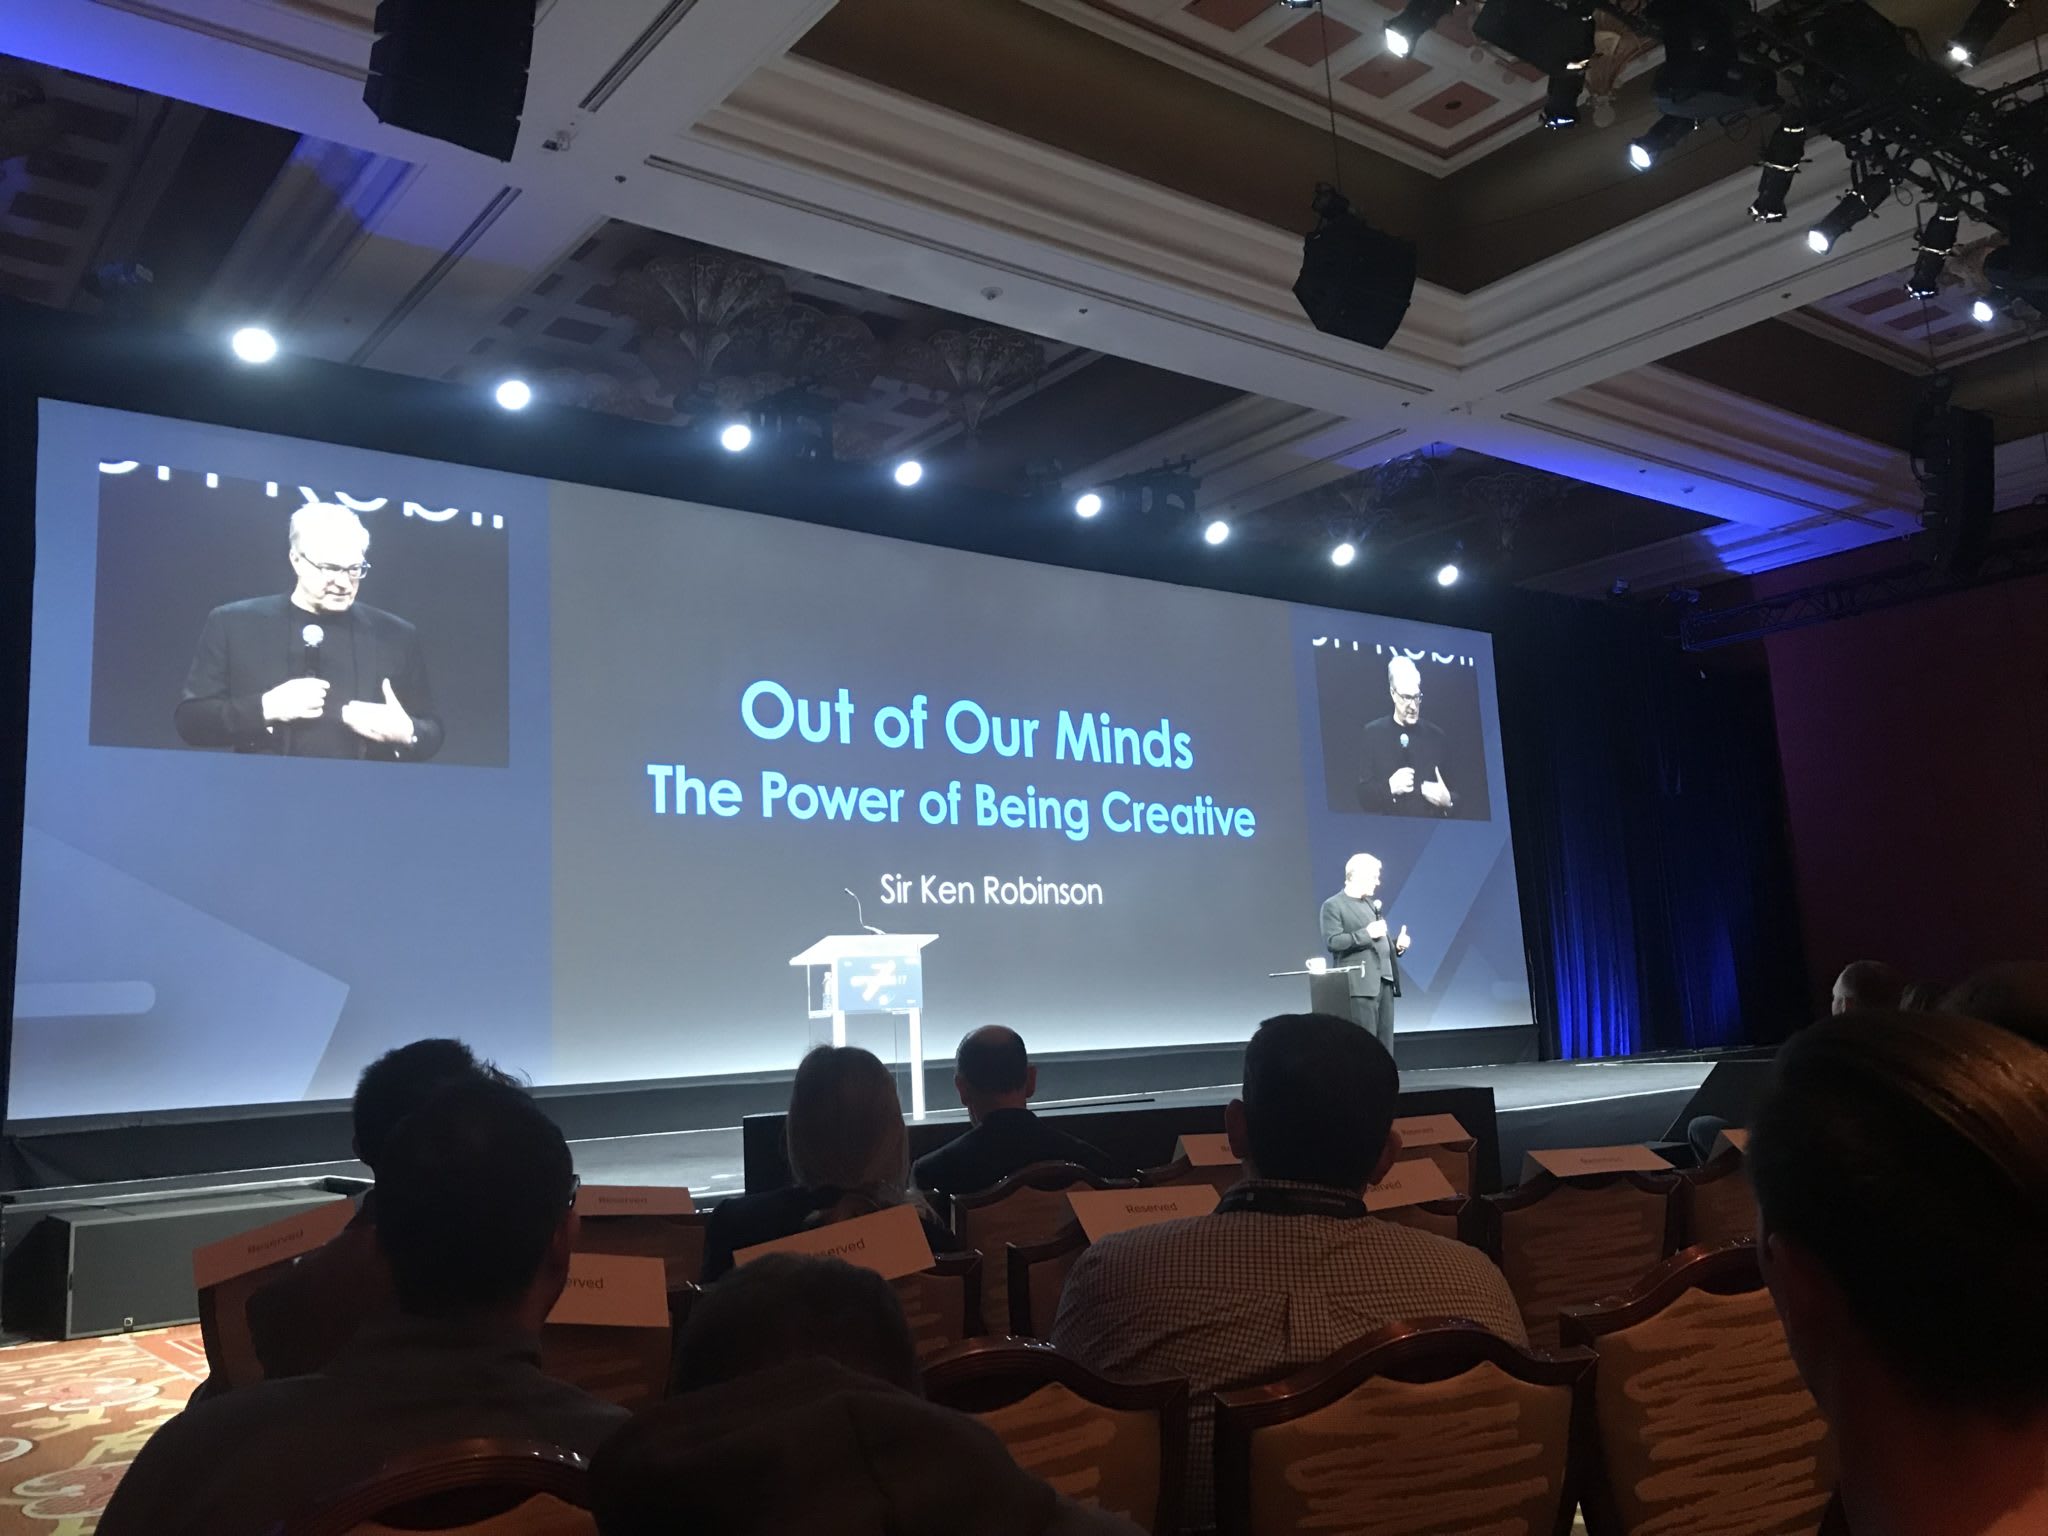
(1716, 1206)
(1028, 1207)
(1412, 1422)
(475, 1487)
(1565, 1242)
(1037, 1276)
(942, 1304)
(1221, 1177)
(678, 1241)
(1702, 1421)
(225, 1331)
(1459, 1162)
(1115, 1446)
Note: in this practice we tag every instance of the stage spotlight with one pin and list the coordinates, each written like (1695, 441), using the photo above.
(1937, 244)
(1975, 34)
(1550, 36)
(1561, 100)
(1087, 504)
(1447, 574)
(908, 473)
(1416, 19)
(1216, 532)
(1858, 205)
(1665, 135)
(738, 437)
(1983, 312)
(1783, 156)
(1344, 553)
(513, 394)
(253, 344)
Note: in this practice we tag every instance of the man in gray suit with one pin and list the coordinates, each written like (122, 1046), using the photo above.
(1355, 933)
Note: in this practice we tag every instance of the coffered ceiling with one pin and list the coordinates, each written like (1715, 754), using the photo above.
(1042, 243)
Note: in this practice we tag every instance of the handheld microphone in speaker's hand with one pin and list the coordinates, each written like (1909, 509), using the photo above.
(860, 916)
(309, 658)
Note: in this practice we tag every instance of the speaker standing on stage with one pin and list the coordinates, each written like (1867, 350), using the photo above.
(313, 673)
(1356, 935)
(1405, 754)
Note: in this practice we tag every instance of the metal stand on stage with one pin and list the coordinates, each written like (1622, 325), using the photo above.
(871, 973)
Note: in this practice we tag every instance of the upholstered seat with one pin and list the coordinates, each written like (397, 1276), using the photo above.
(942, 1304)
(678, 1241)
(1027, 1208)
(1120, 1447)
(1565, 1242)
(1419, 1430)
(1716, 1204)
(1704, 1427)
(1037, 1276)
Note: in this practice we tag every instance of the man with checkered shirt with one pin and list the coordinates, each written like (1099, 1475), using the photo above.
(1289, 1268)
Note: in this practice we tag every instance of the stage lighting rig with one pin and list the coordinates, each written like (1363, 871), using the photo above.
(1976, 32)
(1551, 35)
(1562, 97)
(1417, 18)
(1866, 190)
(1937, 244)
(1170, 488)
(1783, 155)
(1665, 135)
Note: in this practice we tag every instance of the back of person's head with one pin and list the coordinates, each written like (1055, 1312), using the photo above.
(2012, 996)
(992, 1063)
(845, 1127)
(1906, 1155)
(783, 1307)
(1318, 1100)
(473, 1202)
(1921, 997)
(399, 1082)
(1868, 985)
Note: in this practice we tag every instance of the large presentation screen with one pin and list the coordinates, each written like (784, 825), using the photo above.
(330, 750)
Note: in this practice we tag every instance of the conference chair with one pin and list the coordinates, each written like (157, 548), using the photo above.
(1562, 1242)
(1715, 1202)
(1178, 1174)
(1409, 1423)
(1702, 1423)
(1458, 1160)
(1037, 1277)
(1117, 1446)
(474, 1487)
(1446, 1218)
(1030, 1206)
(942, 1304)
(678, 1241)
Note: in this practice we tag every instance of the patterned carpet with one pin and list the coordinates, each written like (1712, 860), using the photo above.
(73, 1415)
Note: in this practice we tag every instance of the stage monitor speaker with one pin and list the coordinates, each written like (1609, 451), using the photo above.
(454, 70)
(82, 1270)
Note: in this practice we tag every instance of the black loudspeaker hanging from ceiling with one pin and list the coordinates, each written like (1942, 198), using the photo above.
(1356, 281)
(453, 69)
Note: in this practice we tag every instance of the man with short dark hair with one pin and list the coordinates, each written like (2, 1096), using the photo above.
(995, 1080)
(475, 1216)
(1289, 1268)
(799, 1412)
(1900, 1163)
(301, 1320)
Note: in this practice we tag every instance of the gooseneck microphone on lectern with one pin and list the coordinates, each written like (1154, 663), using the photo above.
(860, 916)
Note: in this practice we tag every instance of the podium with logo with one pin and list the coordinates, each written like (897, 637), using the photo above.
(871, 973)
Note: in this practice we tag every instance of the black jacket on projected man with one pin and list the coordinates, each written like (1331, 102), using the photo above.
(313, 672)
(1357, 937)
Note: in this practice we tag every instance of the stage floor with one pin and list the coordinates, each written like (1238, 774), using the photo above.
(1537, 1104)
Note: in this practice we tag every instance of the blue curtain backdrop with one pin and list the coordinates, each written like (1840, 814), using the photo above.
(1650, 837)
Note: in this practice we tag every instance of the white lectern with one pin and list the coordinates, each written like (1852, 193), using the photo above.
(873, 973)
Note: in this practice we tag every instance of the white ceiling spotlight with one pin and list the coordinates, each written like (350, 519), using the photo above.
(737, 437)
(908, 473)
(1983, 312)
(253, 344)
(1344, 554)
(1216, 532)
(1447, 574)
(1087, 504)
(513, 394)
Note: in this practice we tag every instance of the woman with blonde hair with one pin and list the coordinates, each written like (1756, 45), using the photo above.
(848, 1153)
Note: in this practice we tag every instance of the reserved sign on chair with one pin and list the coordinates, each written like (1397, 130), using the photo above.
(1431, 1130)
(1206, 1150)
(1104, 1211)
(613, 1290)
(1411, 1181)
(891, 1243)
(634, 1200)
(263, 1246)
(1573, 1162)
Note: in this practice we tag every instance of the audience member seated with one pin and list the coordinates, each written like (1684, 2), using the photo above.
(1867, 986)
(995, 1080)
(299, 1321)
(1901, 1167)
(1922, 997)
(1289, 1268)
(799, 1414)
(847, 1151)
(475, 1217)
(2012, 996)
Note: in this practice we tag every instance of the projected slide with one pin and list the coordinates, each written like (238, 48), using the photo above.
(330, 750)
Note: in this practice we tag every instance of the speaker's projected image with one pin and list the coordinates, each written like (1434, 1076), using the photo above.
(695, 777)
